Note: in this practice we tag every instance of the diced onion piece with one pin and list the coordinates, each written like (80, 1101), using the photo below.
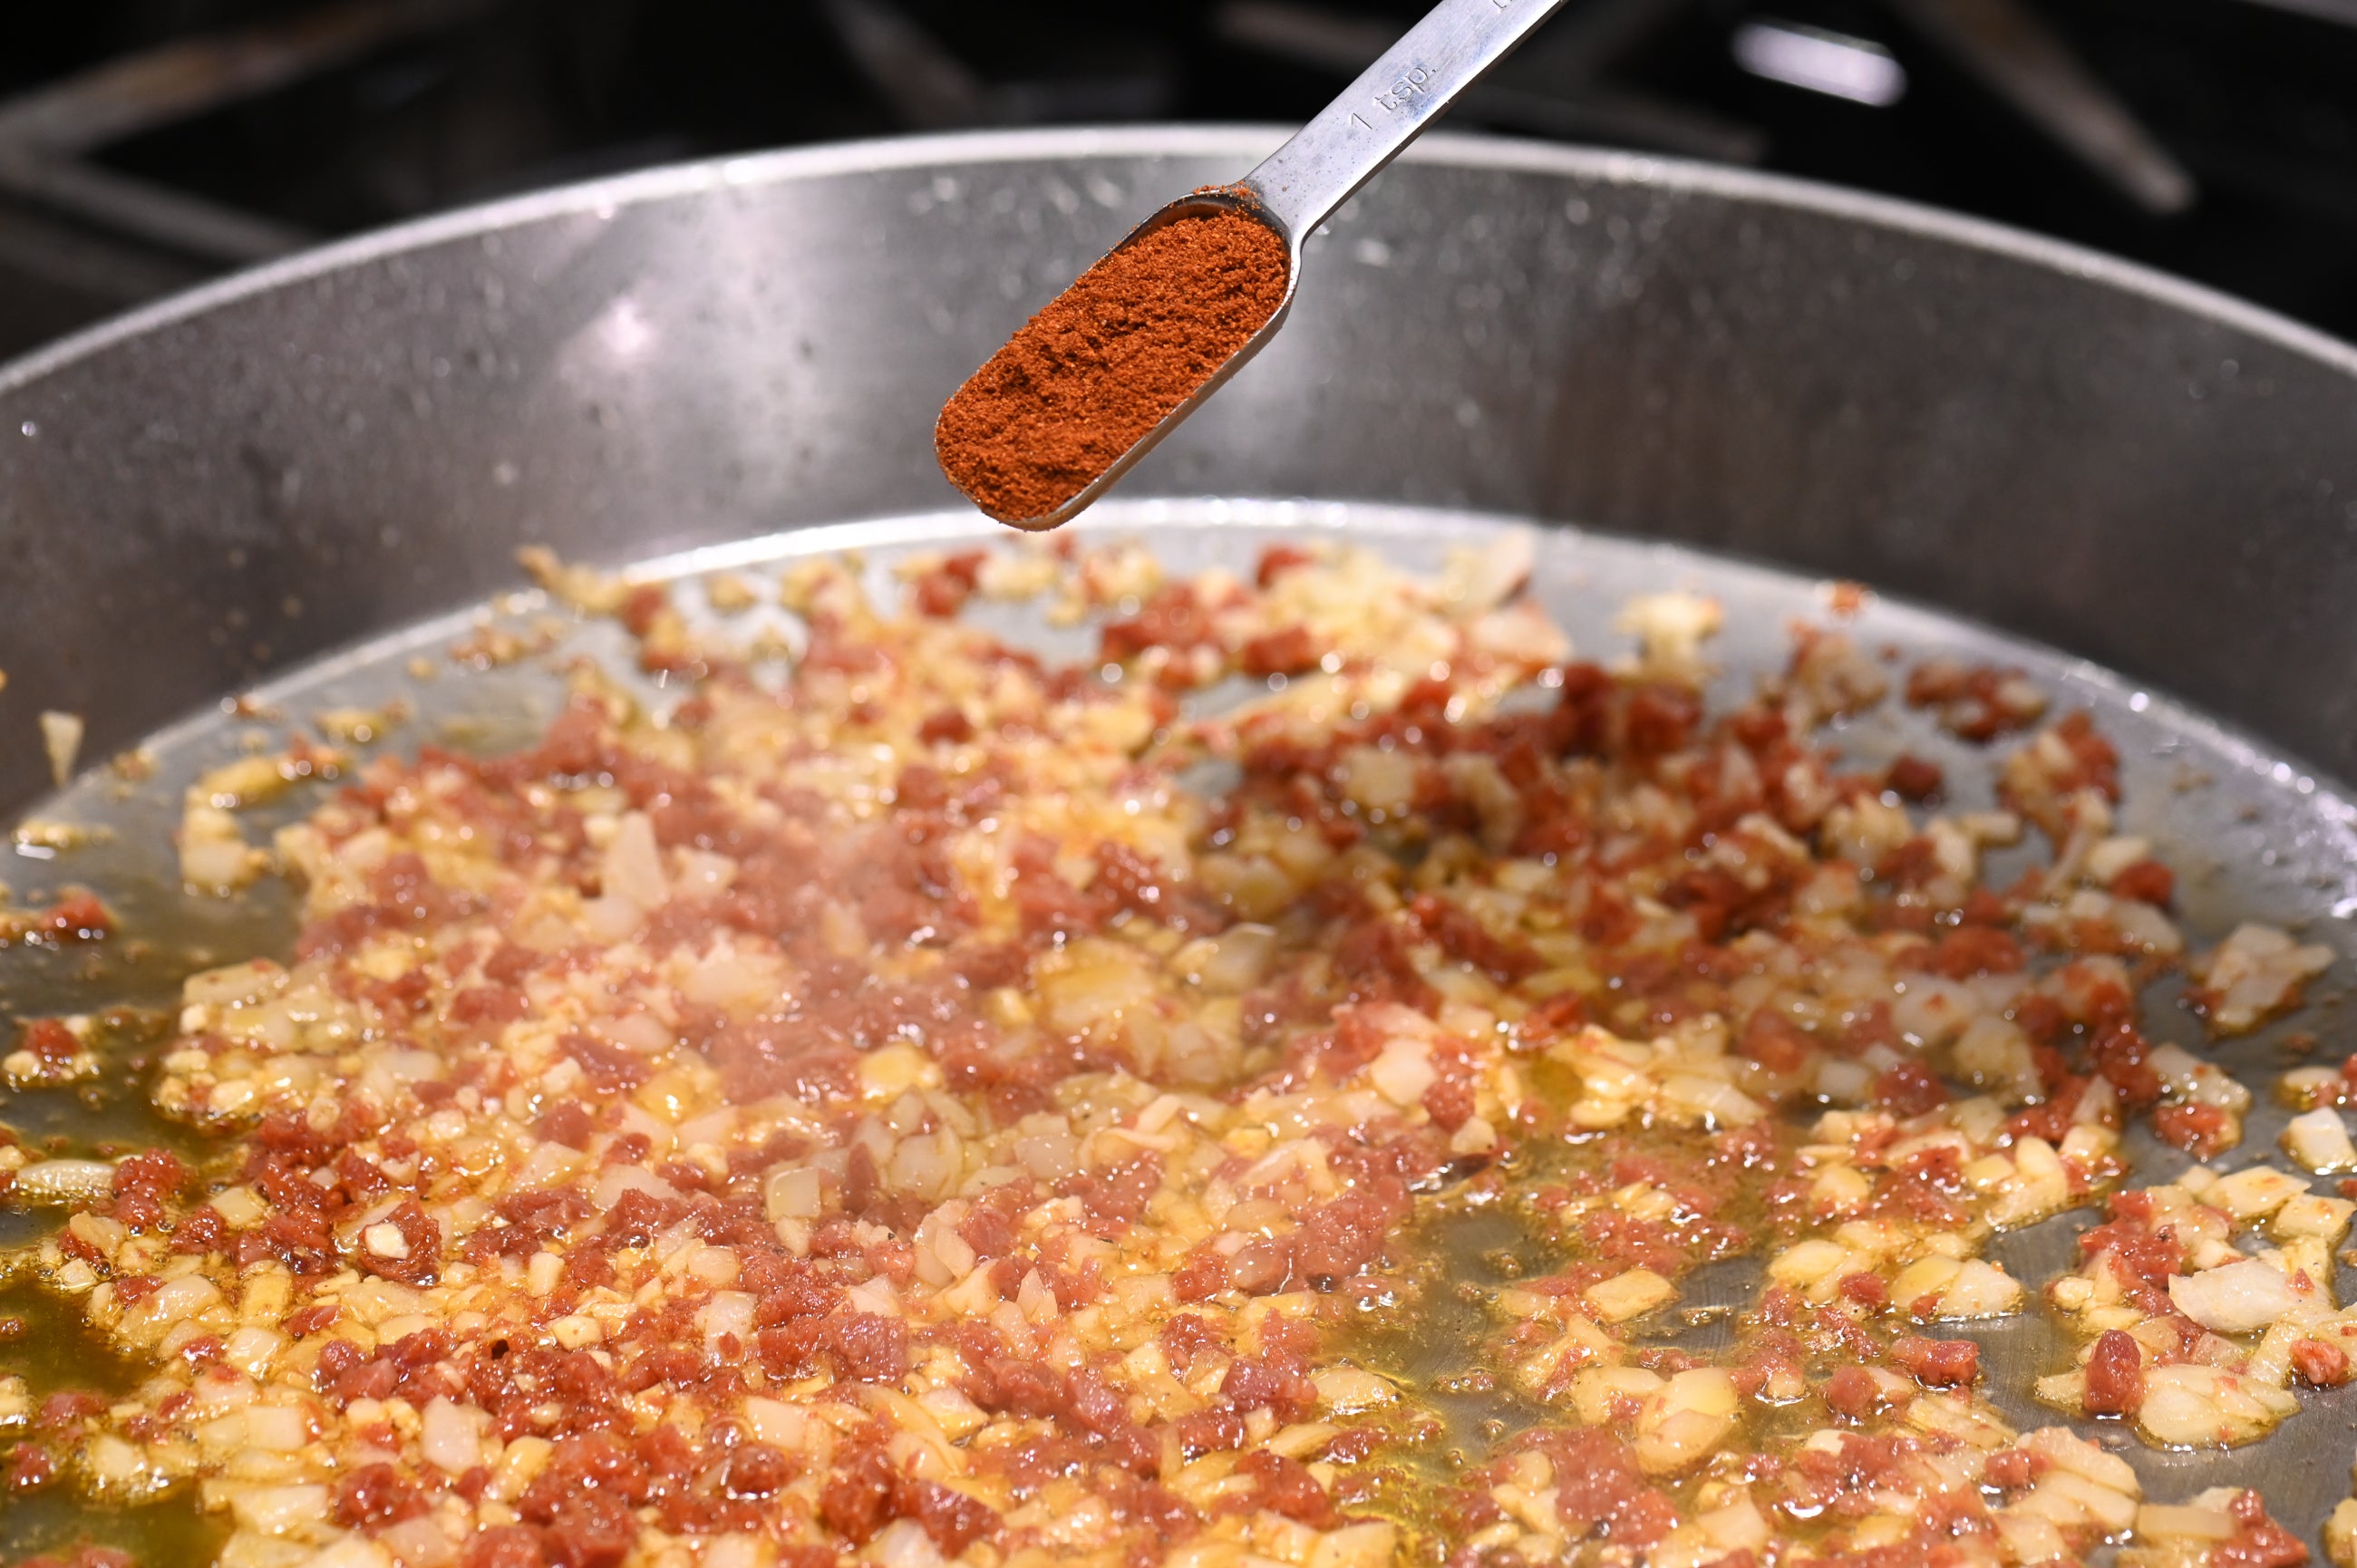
(1630, 1295)
(1479, 578)
(1235, 962)
(2256, 971)
(1402, 1071)
(1710, 1390)
(2318, 1140)
(1980, 1290)
(447, 1437)
(418, 1543)
(1598, 1390)
(1670, 627)
(63, 1181)
(611, 918)
(1737, 1527)
(2341, 1533)
(2238, 1298)
(280, 1511)
(632, 867)
(2179, 1519)
(616, 1180)
(1682, 1439)
(2066, 1450)
(792, 1192)
(2253, 1193)
(786, 1426)
(1345, 1391)
(1378, 780)
(1371, 1544)
(903, 1543)
(275, 1429)
(2180, 1406)
(728, 1311)
(61, 738)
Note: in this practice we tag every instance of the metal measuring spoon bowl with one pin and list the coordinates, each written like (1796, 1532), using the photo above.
(1302, 184)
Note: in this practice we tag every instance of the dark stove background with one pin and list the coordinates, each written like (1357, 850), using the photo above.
(147, 144)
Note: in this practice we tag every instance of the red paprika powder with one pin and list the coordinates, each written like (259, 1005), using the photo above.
(1107, 360)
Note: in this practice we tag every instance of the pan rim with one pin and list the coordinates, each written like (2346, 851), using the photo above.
(1460, 150)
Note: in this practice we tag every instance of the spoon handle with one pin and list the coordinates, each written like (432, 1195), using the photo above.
(1388, 106)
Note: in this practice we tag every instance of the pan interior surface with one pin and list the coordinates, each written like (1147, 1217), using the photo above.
(2251, 835)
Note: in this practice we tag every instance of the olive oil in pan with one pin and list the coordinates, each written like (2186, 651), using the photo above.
(44, 1341)
(171, 1532)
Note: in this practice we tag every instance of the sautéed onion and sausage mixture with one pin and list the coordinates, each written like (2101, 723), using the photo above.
(901, 1099)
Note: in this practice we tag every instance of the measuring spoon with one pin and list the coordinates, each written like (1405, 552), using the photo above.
(1301, 184)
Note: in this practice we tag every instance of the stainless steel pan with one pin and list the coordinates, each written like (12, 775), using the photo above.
(2061, 447)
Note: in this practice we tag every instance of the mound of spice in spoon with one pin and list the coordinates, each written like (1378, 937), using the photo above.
(1092, 382)
(1108, 359)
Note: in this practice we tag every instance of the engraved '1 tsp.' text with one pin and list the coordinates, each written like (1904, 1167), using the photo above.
(1413, 82)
